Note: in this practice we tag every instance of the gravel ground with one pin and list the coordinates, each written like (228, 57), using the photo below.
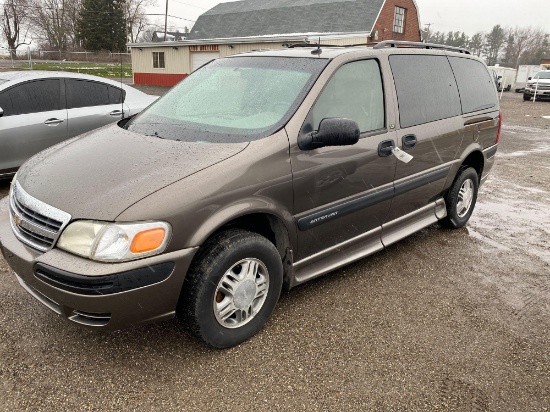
(444, 320)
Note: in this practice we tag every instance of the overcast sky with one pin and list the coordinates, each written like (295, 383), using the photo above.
(469, 16)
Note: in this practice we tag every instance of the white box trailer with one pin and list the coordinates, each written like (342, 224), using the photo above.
(523, 75)
(505, 77)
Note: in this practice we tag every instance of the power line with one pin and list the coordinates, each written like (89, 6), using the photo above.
(190, 5)
(169, 15)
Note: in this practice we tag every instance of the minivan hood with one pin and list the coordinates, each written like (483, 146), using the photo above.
(101, 173)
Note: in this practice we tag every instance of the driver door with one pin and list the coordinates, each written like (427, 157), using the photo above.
(344, 193)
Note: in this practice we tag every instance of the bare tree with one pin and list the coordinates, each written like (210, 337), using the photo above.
(14, 23)
(53, 22)
(136, 17)
(522, 40)
(537, 53)
(147, 34)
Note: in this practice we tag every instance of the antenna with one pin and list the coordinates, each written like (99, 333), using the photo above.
(121, 91)
(121, 88)
(318, 50)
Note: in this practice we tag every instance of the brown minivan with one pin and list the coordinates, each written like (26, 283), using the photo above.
(256, 173)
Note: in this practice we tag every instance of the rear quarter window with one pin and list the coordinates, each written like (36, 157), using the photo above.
(476, 87)
(84, 93)
(426, 89)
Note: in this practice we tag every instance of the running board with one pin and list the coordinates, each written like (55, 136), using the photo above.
(367, 243)
(406, 225)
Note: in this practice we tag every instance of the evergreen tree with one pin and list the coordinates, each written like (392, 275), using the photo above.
(477, 44)
(494, 42)
(101, 25)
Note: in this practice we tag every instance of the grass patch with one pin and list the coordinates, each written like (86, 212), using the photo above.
(96, 69)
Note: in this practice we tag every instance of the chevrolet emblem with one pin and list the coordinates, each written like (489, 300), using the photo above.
(17, 220)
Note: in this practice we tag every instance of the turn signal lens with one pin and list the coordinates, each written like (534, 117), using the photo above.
(148, 240)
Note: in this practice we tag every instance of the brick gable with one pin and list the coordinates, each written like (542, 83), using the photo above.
(384, 23)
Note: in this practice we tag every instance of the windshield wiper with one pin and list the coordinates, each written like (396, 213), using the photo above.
(155, 134)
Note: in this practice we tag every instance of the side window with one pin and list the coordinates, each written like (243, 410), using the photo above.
(84, 93)
(158, 60)
(116, 95)
(31, 97)
(426, 89)
(5, 103)
(477, 89)
(354, 92)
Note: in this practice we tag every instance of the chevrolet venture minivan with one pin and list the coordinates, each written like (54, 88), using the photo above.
(256, 173)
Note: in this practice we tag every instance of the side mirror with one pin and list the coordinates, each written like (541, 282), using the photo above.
(1, 112)
(333, 131)
(529, 78)
(500, 77)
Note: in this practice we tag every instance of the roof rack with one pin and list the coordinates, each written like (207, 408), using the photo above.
(396, 43)
(294, 45)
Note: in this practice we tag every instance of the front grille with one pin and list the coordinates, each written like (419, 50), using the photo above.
(42, 241)
(34, 222)
(36, 217)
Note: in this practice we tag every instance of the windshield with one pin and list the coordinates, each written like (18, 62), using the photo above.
(231, 100)
(543, 75)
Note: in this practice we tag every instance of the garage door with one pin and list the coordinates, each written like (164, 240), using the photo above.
(199, 58)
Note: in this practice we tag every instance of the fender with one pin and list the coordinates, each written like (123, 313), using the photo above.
(239, 209)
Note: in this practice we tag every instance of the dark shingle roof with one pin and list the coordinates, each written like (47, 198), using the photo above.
(275, 17)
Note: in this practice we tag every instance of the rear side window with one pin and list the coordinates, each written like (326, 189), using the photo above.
(31, 97)
(477, 89)
(426, 89)
(116, 95)
(354, 92)
(84, 93)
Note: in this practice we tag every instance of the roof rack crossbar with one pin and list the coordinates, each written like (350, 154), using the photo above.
(396, 43)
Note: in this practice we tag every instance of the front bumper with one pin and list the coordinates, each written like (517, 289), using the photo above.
(94, 294)
(540, 93)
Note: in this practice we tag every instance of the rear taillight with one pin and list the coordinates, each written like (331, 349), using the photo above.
(499, 126)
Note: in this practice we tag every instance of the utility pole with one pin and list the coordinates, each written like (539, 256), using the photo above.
(427, 30)
(166, 21)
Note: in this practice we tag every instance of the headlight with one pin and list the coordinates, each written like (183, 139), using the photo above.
(115, 242)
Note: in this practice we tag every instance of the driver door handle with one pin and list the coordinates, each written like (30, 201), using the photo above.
(116, 113)
(385, 148)
(53, 121)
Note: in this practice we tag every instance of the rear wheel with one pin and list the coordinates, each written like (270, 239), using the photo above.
(461, 198)
(232, 288)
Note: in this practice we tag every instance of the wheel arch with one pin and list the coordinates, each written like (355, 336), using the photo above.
(472, 156)
(265, 223)
(476, 160)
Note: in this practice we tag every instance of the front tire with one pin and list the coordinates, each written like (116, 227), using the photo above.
(526, 97)
(231, 288)
(461, 198)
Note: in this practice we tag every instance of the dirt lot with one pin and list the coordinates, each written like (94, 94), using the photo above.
(445, 320)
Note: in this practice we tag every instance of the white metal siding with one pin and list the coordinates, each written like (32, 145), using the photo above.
(199, 58)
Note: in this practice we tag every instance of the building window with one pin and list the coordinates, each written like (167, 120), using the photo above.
(158, 60)
(399, 20)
